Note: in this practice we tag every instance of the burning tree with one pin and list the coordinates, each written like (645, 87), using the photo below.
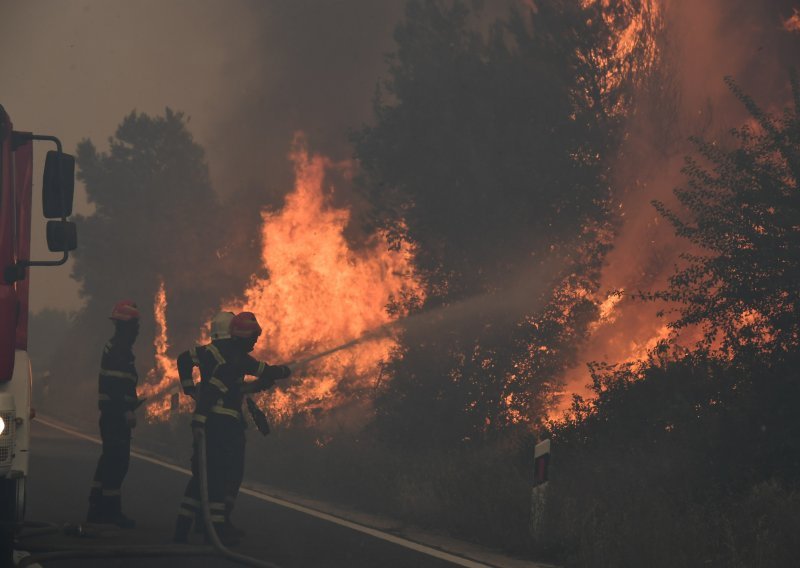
(489, 155)
(701, 445)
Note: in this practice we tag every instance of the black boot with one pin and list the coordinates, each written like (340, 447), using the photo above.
(226, 537)
(199, 525)
(95, 513)
(232, 529)
(123, 522)
(229, 526)
(115, 515)
(182, 525)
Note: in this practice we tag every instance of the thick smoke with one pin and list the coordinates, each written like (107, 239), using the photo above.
(251, 73)
(248, 73)
(700, 44)
(310, 66)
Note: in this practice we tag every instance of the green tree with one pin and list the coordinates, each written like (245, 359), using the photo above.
(742, 207)
(488, 153)
(156, 217)
(698, 450)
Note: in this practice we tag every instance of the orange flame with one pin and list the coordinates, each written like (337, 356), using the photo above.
(607, 312)
(618, 337)
(633, 46)
(321, 293)
(162, 380)
(792, 24)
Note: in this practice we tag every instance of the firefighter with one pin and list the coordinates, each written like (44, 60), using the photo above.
(117, 403)
(203, 356)
(206, 358)
(219, 413)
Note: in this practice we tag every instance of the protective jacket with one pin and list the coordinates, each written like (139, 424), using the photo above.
(222, 392)
(223, 366)
(118, 378)
(117, 396)
(208, 357)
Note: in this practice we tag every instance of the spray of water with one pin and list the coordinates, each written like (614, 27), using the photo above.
(522, 296)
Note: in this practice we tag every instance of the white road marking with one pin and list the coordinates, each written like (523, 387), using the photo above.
(446, 556)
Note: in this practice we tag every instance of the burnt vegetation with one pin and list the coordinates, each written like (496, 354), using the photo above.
(491, 152)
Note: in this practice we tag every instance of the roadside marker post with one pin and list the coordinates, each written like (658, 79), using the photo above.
(541, 476)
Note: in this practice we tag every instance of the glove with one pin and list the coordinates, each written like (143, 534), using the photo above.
(130, 419)
(259, 418)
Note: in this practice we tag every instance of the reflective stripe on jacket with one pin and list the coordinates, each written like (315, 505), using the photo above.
(207, 357)
(117, 378)
(222, 392)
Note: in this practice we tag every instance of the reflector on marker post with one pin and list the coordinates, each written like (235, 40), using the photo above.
(541, 463)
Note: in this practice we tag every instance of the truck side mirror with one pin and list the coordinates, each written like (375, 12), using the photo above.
(59, 181)
(62, 236)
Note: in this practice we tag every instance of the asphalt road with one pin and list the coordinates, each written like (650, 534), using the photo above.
(61, 469)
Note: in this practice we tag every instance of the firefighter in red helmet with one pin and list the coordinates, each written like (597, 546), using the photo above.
(117, 403)
(206, 358)
(223, 365)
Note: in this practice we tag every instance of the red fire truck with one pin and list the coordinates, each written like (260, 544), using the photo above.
(16, 177)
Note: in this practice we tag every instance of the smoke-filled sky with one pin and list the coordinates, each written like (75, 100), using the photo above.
(706, 41)
(248, 73)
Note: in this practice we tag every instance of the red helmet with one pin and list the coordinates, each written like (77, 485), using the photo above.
(125, 310)
(245, 325)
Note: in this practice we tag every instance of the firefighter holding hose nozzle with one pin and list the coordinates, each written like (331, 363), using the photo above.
(223, 365)
(206, 358)
(117, 403)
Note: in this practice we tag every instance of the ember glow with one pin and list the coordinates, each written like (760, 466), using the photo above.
(619, 336)
(320, 293)
(633, 50)
(607, 312)
(792, 24)
(634, 22)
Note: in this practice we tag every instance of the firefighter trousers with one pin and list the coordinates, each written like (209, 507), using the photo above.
(224, 467)
(105, 495)
(234, 474)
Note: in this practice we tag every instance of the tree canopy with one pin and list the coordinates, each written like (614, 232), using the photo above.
(741, 211)
(156, 217)
(489, 154)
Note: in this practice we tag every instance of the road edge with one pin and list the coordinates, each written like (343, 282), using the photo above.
(452, 550)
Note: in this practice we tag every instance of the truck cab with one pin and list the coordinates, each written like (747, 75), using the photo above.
(16, 186)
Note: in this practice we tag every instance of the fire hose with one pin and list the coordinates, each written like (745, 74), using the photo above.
(200, 438)
(374, 334)
(46, 554)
